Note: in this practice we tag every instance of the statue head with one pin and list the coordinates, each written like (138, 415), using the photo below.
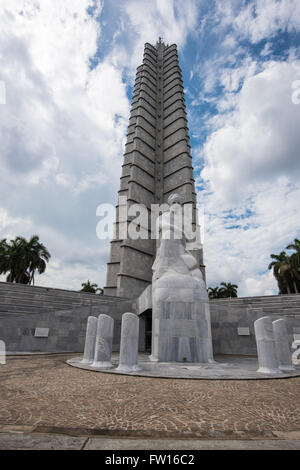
(175, 198)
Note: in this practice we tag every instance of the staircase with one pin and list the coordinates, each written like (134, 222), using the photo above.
(227, 315)
(19, 299)
(283, 305)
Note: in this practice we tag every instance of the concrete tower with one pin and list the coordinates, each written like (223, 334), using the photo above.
(157, 163)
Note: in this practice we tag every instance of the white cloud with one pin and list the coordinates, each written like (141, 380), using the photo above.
(145, 21)
(242, 254)
(232, 77)
(257, 19)
(259, 285)
(252, 163)
(263, 18)
(171, 19)
(63, 127)
(62, 130)
(259, 139)
(72, 261)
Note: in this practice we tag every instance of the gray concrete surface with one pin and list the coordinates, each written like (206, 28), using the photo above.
(225, 367)
(32, 441)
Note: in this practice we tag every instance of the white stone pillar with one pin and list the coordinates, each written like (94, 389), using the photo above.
(104, 340)
(267, 359)
(129, 343)
(90, 339)
(296, 354)
(2, 352)
(282, 346)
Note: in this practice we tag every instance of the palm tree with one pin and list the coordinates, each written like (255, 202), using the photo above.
(282, 272)
(214, 293)
(3, 256)
(295, 264)
(294, 246)
(228, 289)
(21, 259)
(16, 261)
(92, 288)
(38, 256)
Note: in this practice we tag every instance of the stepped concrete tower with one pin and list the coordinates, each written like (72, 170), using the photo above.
(157, 163)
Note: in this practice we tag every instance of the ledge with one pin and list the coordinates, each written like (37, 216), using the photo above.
(173, 102)
(134, 277)
(185, 139)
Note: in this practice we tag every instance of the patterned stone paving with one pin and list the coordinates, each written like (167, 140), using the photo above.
(45, 394)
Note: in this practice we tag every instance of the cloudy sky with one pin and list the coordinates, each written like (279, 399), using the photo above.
(68, 67)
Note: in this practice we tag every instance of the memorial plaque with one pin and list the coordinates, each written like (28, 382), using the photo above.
(41, 332)
(243, 331)
(186, 328)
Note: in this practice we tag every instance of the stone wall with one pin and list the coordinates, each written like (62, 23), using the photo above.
(231, 317)
(25, 308)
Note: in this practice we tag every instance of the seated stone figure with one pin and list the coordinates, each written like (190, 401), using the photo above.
(181, 329)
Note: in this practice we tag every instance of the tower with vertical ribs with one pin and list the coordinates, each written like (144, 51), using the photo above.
(157, 163)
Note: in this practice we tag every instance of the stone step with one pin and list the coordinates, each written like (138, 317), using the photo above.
(45, 302)
(40, 295)
(271, 298)
(39, 308)
(42, 304)
(17, 299)
(21, 288)
(287, 304)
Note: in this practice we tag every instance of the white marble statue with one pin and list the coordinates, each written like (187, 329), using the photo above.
(181, 329)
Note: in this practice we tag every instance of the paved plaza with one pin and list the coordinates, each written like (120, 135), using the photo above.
(42, 394)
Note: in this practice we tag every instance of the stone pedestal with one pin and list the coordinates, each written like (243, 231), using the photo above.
(90, 339)
(181, 321)
(104, 339)
(129, 343)
(267, 358)
(282, 346)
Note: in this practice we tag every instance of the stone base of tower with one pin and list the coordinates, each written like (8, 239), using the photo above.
(131, 287)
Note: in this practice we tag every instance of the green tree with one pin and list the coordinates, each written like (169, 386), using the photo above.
(284, 272)
(92, 288)
(214, 292)
(21, 259)
(294, 246)
(228, 289)
(4, 261)
(295, 264)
